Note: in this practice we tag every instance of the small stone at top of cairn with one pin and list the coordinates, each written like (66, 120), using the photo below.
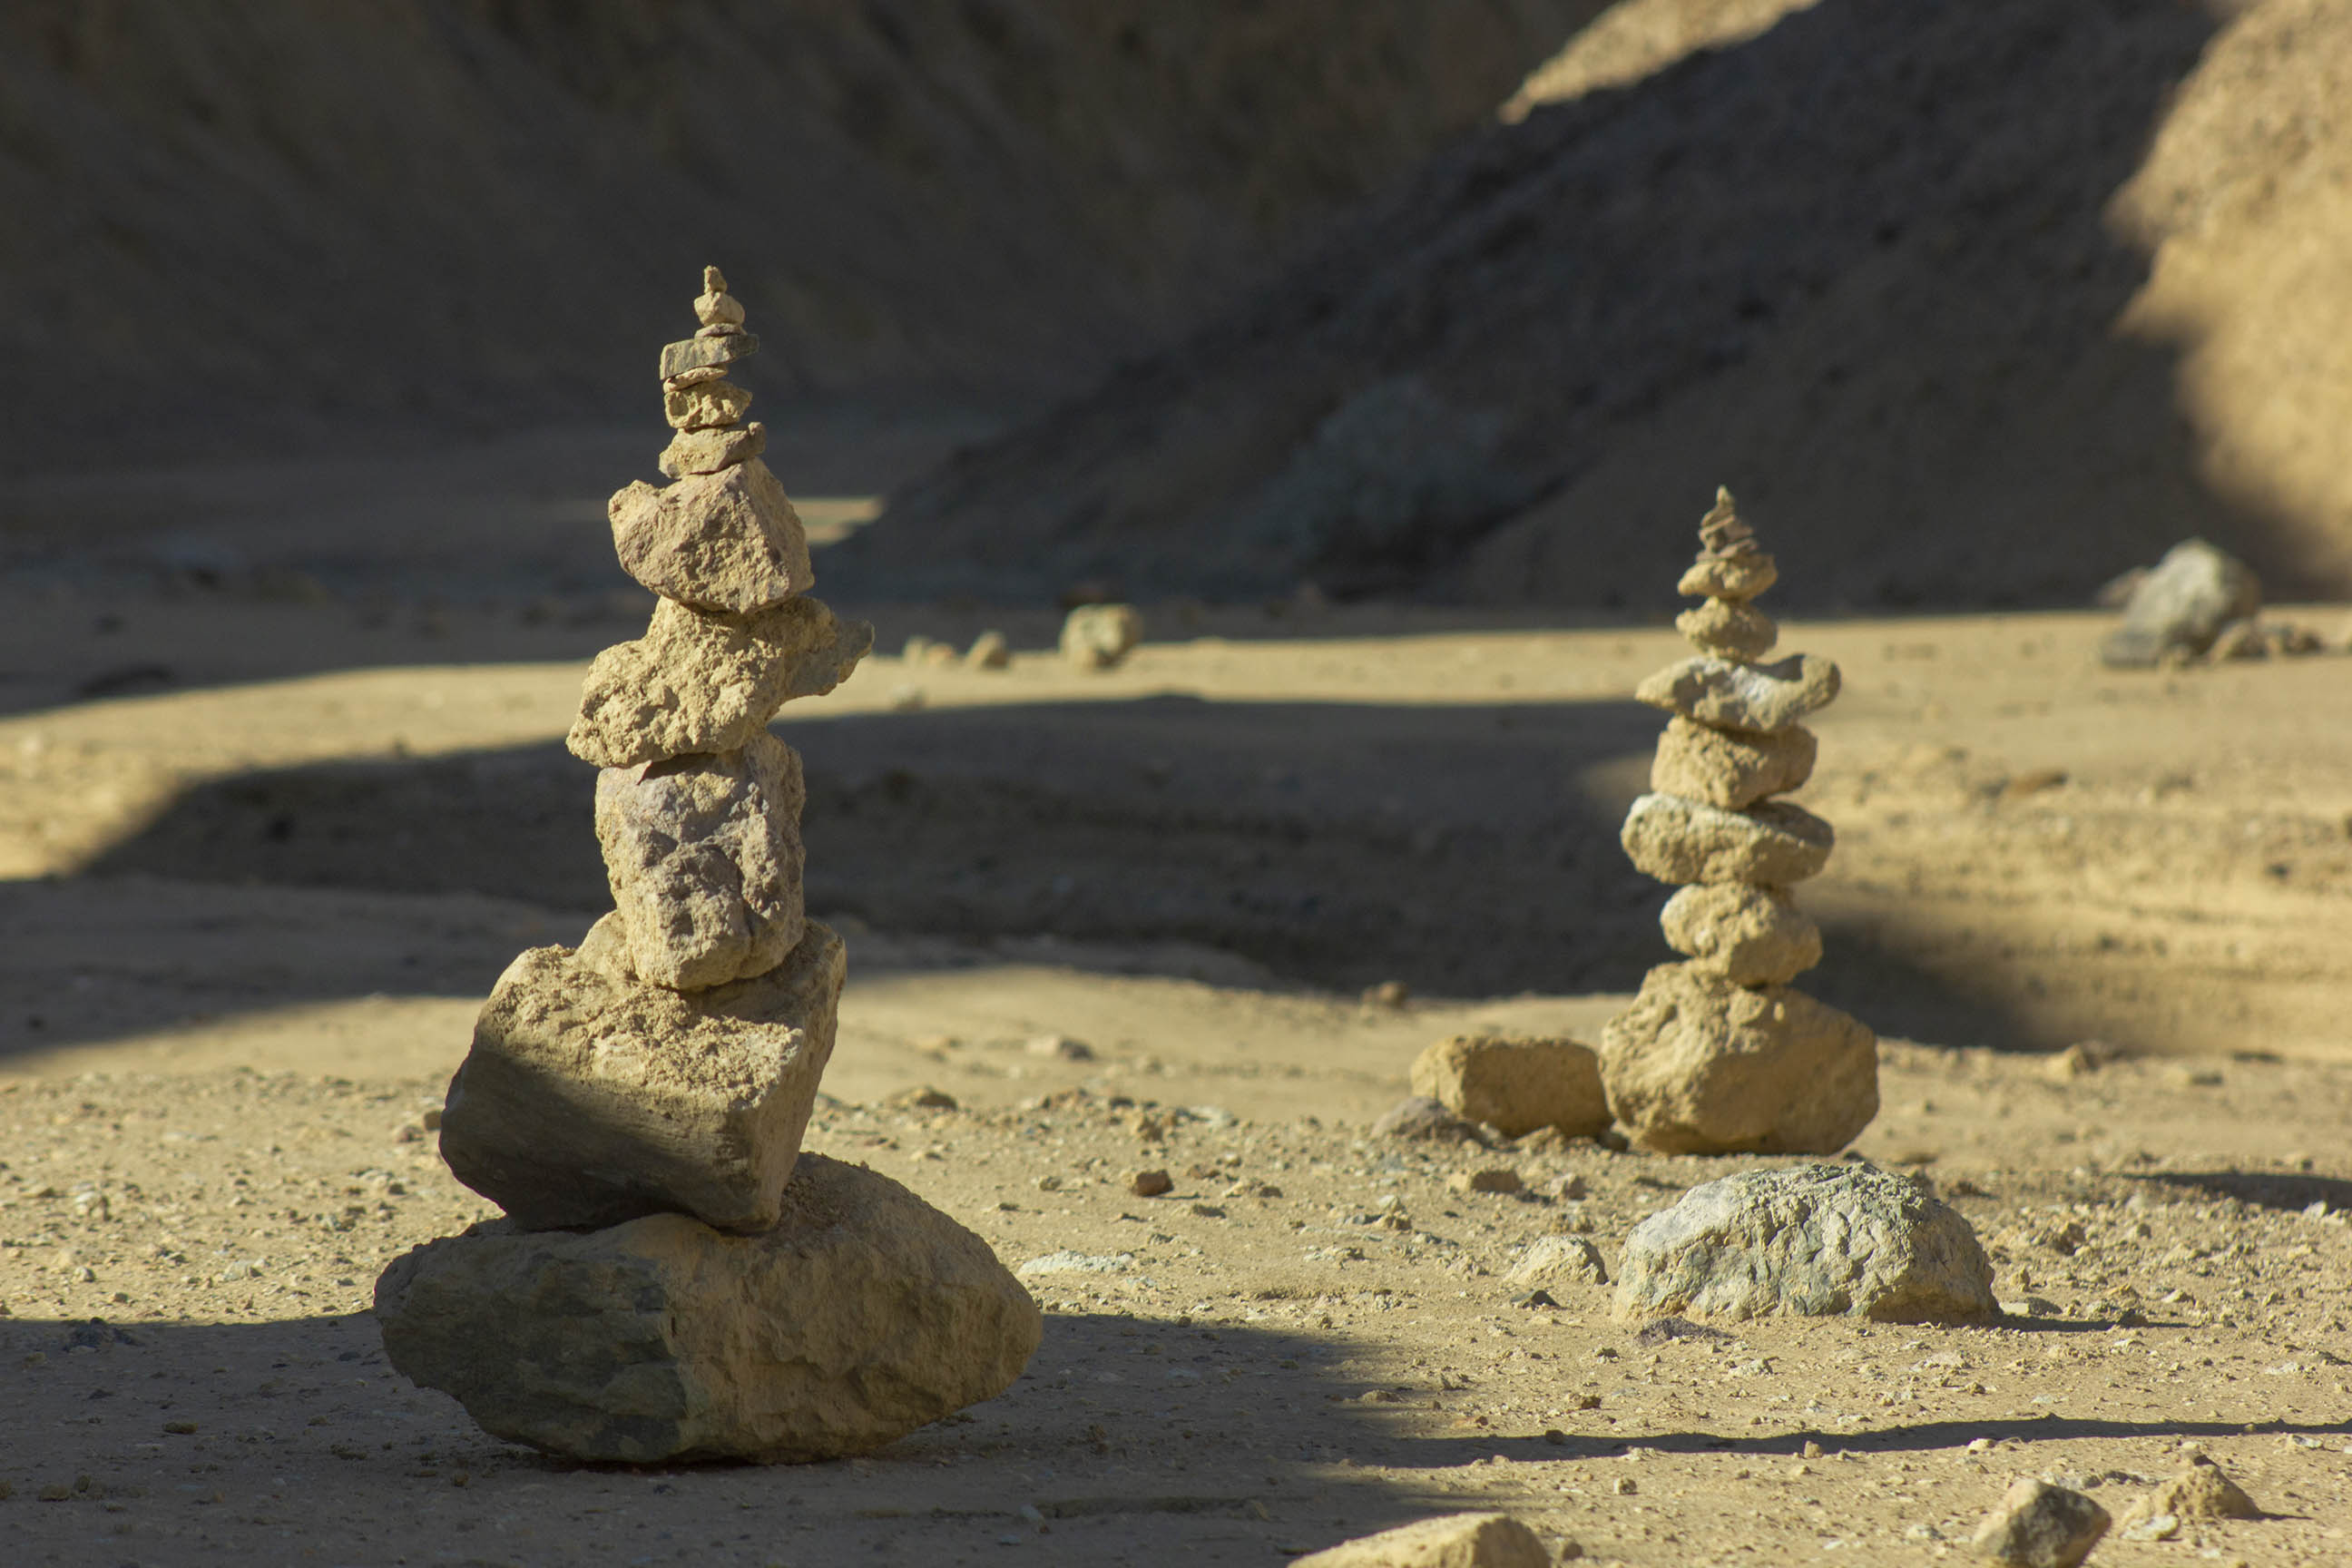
(1719, 1054)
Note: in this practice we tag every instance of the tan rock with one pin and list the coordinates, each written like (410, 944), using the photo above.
(2038, 1525)
(714, 306)
(862, 1314)
(2200, 1490)
(728, 541)
(1771, 844)
(1747, 935)
(1729, 627)
(1731, 768)
(1740, 578)
(691, 403)
(1097, 636)
(1560, 1261)
(708, 451)
(1700, 1066)
(699, 682)
(703, 853)
(700, 353)
(989, 650)
(1516, 1085)
(587, 1102)
(1457, 1541)
(1754, 697)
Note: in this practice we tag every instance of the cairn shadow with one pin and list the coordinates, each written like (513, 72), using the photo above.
(2285, 1192)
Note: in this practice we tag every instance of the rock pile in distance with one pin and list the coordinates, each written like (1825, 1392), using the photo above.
(1720, 1054)
(673, 1280)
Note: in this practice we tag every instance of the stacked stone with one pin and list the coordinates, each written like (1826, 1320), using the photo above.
(674, 1278)
(1718, 1054)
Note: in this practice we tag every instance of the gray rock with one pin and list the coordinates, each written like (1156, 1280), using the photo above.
(2037, 1525)
(1697, 1065)
(704, 857)
(1731, 768)
(1421, 1118)
(1097, 636)
(587, 1101)
(2181, 605)
(1747, 935)
(1770, 844)
(702, 683)
(1516, 1085)
(1560, 1261)
(1815, 1241)
(728, 541)
(698, 353)
(1725, 695)
(862, 1314)
(1457, 1541)
(708, 451)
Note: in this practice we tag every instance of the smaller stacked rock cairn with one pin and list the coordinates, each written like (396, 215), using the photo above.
(674, 1278)
(1719, 1054)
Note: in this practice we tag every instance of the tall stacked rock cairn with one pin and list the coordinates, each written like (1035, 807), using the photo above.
(674, 1278)
(1720, 1054)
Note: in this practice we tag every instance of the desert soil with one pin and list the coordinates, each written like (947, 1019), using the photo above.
(262, 873)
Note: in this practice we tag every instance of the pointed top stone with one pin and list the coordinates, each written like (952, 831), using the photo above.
(713, 281)
(720, 312)
(1721, 533)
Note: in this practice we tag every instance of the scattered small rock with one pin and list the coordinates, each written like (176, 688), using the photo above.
(1061, 1048)
(1148, 1184)
(1557, 1260)
(2200, 1490)
(989, 650)
(2037, 1525)
(921, 1096)
(1097, 637)
(1492, 1179)
(1422, 1119)
(2181, 605)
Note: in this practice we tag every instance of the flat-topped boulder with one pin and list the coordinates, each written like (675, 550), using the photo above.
(1770, 844)
(727, 542)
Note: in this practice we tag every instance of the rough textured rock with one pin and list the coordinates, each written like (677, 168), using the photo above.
(1457, 1541)
(2199, 1491)
(728, 541)
(1732, 696)
(1560, 1261)
(1747, 935)
(1420, 1119)
(693, 403)
(1697, 1065)
(587, 1102)
(1738, 578)
(1680, 841)
(704, 857)
(1731, 769)
(708, 451)
(1516, 1085)
(1815, 1241)
(862, 1314)
(2182, 605)
(2037, 1525)
(699, 682)
(1097, 636)
(701, 352)
(1729, 629)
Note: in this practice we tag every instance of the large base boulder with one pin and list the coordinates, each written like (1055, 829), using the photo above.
(1819, 1240)
(1700, 1066)
(862, 1315)
(587, 1099)
(1516, 1085)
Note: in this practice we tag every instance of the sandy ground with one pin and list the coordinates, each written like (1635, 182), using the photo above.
(267, 851)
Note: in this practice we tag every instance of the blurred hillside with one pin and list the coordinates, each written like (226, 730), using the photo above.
(242, 227)
(1971, 303)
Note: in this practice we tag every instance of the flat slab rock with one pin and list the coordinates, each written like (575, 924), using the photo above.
(588, 1101)
(704, 858)
(1515, 1084)
(728, 541)
(1457, 1541)
(862, 1314)
(698, 683)
(1815, 1241)
(1697, 1065)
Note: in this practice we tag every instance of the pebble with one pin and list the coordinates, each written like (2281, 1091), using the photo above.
(1492, 1179)
(1148, 1184)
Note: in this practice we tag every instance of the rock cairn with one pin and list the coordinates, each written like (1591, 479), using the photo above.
(1719, 1054)
(673, 1278)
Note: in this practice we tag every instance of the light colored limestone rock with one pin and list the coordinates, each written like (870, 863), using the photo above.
(708, 451)
(1699, 1066)
(2037, 1525)
(1732, 696)
(862, 1314)
(1560, 1261)
(700, 353)
(1747, 935)
(1097, 636)
(703, 403)
(1740, 578)
(2181, 605)
(989, 650)
(1728, 629)
(1731, 768)
(1771, 843)
(714, 306)
(1457, 1541)
(1516, 1085)
(1816, 1241)
(703, 853)
(728, 541)
(2199, 1490)
(699, 682)
(586, 1101)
